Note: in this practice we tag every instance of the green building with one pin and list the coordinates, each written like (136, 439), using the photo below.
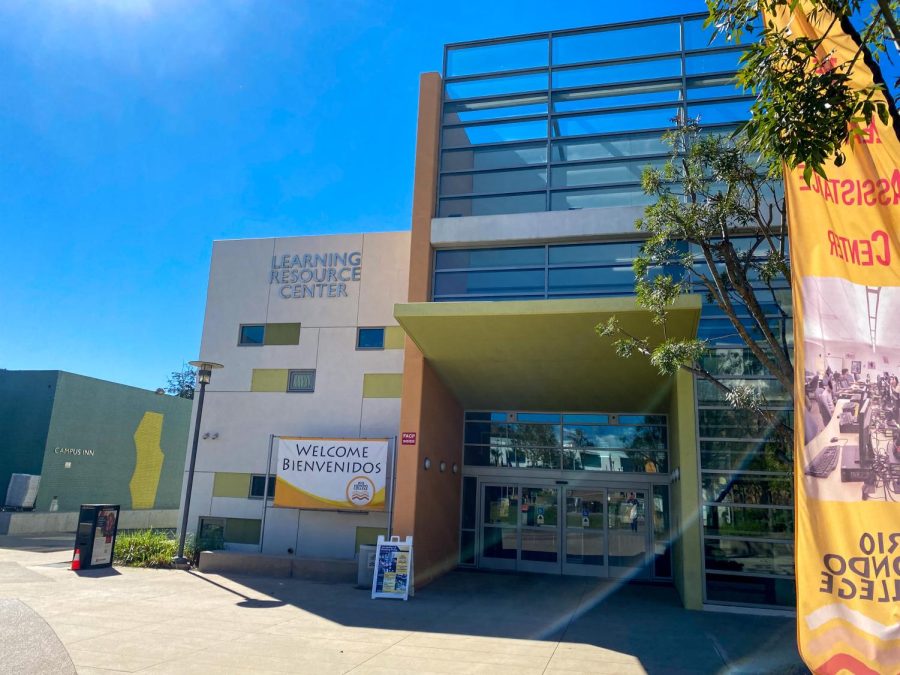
(90, 441)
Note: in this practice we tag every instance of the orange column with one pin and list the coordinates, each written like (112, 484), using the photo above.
(427, 501)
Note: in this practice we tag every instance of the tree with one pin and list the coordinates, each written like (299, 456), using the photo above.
(807, 108)
(182, 382)
(717, 228)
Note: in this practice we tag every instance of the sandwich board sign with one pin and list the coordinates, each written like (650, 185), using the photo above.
(393, 568)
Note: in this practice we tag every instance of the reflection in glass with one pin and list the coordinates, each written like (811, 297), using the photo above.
(616, 43)
(487, 206)
(721, 112)
(512, 55)
(496, 181)
(501, 505)
(616, 96)
(478, 283)
(489, 257)
(615, 146)
(500, 108)
(584, 527)
(737, 521)
(662, 545)
(500, 132)
(713, 63)
(493, 158)
(607, 123)
(751, 590)
(496, 86)
(627, 527)
(595, 198)
(617, 73)
(603, 173)
(740, 488)
(749, 556)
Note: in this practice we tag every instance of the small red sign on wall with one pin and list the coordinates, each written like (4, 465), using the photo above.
(408, 438)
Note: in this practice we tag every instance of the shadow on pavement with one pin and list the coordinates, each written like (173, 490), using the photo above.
(644, 621)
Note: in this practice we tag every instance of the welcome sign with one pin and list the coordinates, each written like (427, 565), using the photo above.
(331, 473)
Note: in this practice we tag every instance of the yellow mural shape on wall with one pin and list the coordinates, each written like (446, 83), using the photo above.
(149, 460)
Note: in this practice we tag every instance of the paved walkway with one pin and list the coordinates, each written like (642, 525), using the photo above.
(161, 621)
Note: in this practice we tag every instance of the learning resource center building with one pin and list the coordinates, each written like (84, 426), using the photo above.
(524, 442)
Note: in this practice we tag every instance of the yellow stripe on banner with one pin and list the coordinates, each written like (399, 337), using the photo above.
(291, 496)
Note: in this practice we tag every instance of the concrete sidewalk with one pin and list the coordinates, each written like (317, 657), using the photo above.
(161, 621)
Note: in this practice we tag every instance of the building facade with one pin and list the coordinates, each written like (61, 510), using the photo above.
(305, 329)
(92, 441)
(528, 444)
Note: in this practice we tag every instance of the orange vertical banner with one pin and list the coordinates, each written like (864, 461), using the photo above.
(845, 251)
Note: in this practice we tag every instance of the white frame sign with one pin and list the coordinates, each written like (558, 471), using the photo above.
(393, 575)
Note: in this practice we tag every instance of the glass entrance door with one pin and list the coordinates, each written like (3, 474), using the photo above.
(540, 530)
(500, 526)
(628, 533)
(585, 532)
(582, 530)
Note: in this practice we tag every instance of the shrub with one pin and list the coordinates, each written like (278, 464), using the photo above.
(156, 548)
(194, 544)
(145, 548)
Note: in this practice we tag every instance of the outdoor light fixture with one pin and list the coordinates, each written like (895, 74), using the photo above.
(427, 464)
(455, 467)
(204, 373)
(443, 466)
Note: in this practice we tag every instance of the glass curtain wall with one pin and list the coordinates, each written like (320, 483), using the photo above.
(568, 119)
(746, 477)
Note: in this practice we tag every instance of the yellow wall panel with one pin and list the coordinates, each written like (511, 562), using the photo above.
(269, 379)
(382, 385)
(231, 484)
(394, 337)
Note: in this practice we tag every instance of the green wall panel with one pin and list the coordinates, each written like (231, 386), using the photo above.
(368, 536)
(282, 334)
(26, 402)
(123, 445)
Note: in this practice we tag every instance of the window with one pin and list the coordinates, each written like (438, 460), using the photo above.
(258, 487)
(230, 530)
(257, 335)
(301, 380)
(252, 335)
(370, 338)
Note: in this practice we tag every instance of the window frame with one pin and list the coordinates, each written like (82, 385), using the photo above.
(360, 329)
(240, 340)
(291, 371)
(271, 492)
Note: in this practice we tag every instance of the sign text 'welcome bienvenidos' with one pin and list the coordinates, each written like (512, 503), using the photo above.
(315, 275)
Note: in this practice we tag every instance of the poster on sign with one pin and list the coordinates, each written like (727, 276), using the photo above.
(347, 474)
(393, 568)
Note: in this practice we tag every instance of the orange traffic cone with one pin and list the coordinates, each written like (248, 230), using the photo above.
(76, 561)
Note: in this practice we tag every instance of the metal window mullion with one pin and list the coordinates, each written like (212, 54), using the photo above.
(534, 117)
(599, 112)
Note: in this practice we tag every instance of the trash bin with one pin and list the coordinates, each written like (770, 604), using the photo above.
(365, 568)
(95, 538)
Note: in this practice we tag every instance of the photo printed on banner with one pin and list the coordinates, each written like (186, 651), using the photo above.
(851, 404)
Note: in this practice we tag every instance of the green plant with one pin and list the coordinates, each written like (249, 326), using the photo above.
(207, 541)
(145, 548)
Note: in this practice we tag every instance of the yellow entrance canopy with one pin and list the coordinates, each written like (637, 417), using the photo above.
(544, 354)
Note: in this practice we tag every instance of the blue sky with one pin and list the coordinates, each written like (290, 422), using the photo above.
(135, 132)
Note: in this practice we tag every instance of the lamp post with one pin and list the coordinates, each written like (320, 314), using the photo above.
(204, 374)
